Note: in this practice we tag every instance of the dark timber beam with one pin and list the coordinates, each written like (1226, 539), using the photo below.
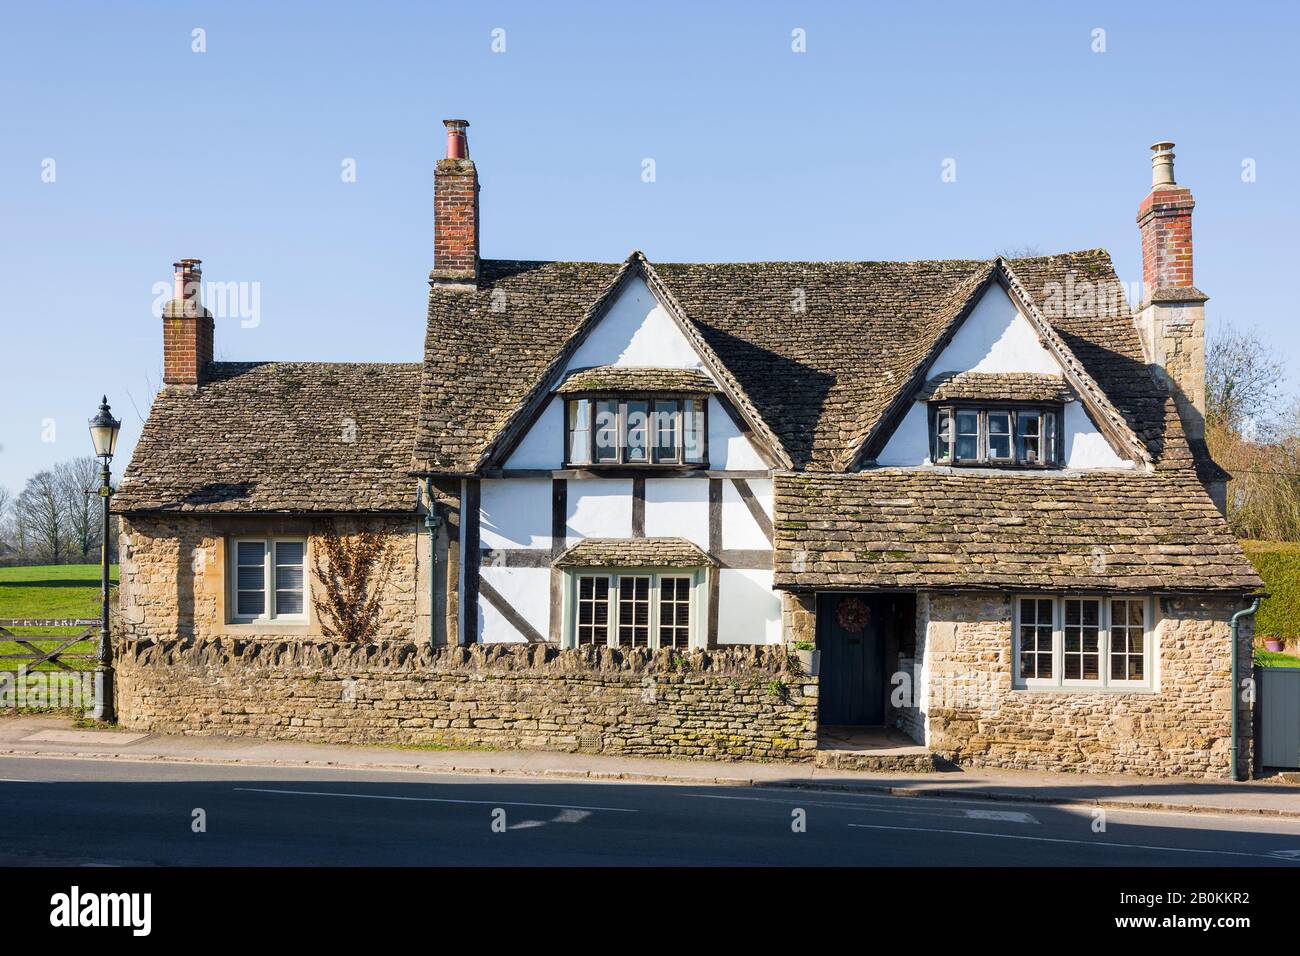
(472, 560)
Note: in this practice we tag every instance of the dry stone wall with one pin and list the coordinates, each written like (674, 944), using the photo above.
(734, 703)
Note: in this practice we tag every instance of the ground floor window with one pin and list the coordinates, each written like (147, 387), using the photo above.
(268, 580)
(630, 608)
(1083, 641)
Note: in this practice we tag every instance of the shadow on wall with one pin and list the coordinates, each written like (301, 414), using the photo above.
(1131, 387)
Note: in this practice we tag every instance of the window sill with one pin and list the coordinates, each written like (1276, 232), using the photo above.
(272, 626)
(1079, 689)
(996, 465)
(611, 466)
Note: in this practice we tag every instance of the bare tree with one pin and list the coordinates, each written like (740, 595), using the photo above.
(85, 514)
(1242, 376)
(1250, 434)
(6, 521)
(42, 514)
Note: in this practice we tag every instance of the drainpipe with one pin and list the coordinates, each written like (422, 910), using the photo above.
(431, 523)
(1236, 625)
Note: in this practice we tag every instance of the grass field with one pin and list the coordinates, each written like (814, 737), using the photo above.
(49, 591)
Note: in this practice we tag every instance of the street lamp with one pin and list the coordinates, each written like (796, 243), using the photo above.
(103, 435)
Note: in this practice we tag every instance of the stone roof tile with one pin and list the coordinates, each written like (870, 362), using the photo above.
(280, 437)
(943, 528)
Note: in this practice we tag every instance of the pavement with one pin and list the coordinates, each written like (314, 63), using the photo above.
(27, 736)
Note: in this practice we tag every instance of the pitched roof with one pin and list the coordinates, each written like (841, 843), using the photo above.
(633, 553)
(617, 378)
(941, 528)
(818, 351)
(281, 437)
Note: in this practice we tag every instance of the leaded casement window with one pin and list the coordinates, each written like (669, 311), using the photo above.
(268, 580)
(636, 430)
(1011, 436)
(1083, 642)
(632, 608)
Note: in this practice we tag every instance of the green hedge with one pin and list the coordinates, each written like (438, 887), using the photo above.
(1278, 563)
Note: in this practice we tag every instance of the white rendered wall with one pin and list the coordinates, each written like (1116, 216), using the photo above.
(749, 611)
(543, 444)
(636, 331)
(910, 444)
(678, 508)
(739, 529)
(599, 508)
(527, 590)
(1085, 446)
(729, 449)
(995, 338)
(515, 513)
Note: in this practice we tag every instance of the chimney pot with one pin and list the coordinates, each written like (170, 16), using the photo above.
(1162, 165)
(187, 287)
(457, 141)
(187, 328)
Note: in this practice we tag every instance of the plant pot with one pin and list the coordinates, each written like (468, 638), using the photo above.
(1273, 644)
(810, 661)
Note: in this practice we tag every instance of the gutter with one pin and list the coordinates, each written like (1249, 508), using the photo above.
(431, 523)
(1236, 687)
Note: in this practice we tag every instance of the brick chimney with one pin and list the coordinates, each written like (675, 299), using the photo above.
(455, 202)
(1165, 219)
(1171, 316)
(187, 328)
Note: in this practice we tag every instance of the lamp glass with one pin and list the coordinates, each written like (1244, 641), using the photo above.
(103, 431)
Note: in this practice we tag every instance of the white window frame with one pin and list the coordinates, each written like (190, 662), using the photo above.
(1104, 682)
(615, 576)
(269, 614)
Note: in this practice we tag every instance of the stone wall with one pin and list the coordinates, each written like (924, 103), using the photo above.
(174, 581)
(1182, 727)
(733, 703)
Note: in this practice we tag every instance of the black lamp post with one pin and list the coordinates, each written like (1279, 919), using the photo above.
(103, 434)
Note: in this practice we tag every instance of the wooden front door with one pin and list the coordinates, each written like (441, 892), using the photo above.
(852, 671)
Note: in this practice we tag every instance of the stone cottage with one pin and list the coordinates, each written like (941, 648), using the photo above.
(980, 489)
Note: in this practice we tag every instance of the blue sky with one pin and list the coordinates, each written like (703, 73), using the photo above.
(235, 156)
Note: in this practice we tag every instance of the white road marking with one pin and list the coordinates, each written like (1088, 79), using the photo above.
(1007, 816)
(385, 796)
(1035, 839)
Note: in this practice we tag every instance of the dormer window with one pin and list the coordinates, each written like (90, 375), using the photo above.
(636, 430)
(998, 436)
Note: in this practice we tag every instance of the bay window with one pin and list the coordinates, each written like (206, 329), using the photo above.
(635, 430)
(1083, 642)
(993, 435)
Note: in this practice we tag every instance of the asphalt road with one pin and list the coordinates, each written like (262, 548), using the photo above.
(75, 811)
